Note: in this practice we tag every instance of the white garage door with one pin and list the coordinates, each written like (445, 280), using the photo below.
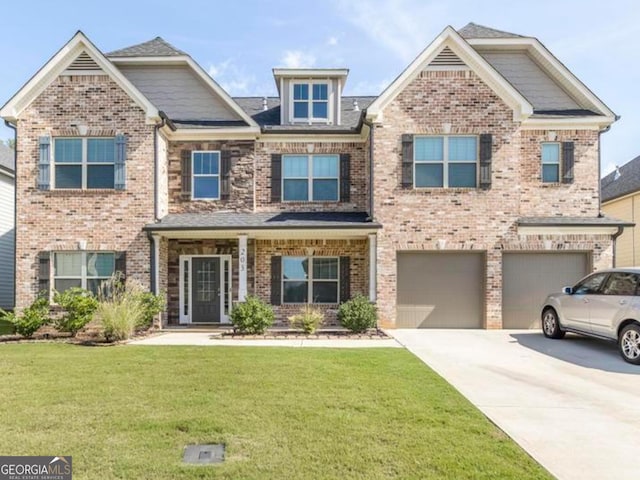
(440, 290)
(527, 278)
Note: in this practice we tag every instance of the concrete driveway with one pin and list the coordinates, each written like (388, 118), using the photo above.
(573, 404)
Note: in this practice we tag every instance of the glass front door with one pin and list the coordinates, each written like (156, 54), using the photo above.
(205, 285)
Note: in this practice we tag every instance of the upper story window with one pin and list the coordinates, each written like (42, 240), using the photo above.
(206, 175)
(84, 163)
(550, 162)
(310, 178)
(310, 279)
(87, 270)
(310, 101)
(446, 161)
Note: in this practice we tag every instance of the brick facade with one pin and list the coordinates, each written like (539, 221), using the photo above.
(104, 219)
(458, 102)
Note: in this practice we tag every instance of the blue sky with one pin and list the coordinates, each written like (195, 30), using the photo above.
(239, 42)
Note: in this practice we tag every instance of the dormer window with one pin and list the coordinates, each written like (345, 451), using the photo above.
(310, 101)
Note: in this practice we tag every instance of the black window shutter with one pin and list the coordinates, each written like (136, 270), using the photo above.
(486, 145)
(186, 173)
(568, 156)
(276, 177)
(44, 273)
(345, 177)
(276, 280)
(121, 264)
(44, 164)
(120, 166)
(225, 174)
(407, 160)
(345, 279)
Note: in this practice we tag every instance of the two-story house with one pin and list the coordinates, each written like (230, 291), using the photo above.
(455, 198)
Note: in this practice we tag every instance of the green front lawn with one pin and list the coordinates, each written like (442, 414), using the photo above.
(127, 412)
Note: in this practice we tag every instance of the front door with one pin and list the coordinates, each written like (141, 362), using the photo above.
(205, 285)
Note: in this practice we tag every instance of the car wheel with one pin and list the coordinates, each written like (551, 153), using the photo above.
(629, 343)
(551, 324)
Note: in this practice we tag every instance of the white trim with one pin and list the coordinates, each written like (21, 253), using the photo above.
(58, 64)
(450, 38)
(373, 260)
(569, 123)
(186, 319)
(310, 72)
(242, 267)
(567, 230)
(310, 101)
(270, 234)
(314, 138)
(207, 175)
(225, 133)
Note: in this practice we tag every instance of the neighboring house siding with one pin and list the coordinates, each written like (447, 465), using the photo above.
(7, 241)
(178, 91)
(358, 173)
(105, 219)
(627, 244)
(472, 219)
(241, 177)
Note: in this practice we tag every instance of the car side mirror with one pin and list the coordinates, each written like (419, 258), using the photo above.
(567, 290)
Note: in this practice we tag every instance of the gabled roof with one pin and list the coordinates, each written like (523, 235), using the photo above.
(158, 47)
(451, 39)
(473, 30)
(7, 158)
(78, 44)
(628, 181)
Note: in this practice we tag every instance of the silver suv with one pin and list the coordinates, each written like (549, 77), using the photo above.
(605, 304)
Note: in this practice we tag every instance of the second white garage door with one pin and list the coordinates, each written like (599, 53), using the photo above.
(527, 279)
(440, 290)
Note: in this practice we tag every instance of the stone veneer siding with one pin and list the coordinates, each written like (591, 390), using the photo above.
(359, 175)
(469, 218)
(357, 250)
(242, 177)
(105, 219)
(204, 247)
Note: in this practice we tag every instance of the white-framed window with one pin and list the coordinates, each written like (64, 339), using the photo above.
(310, 280)
(205, 170)
(82, 269)
(550, 155)
(310, 178)
(83, 163)
(310, 101)
(445, 161)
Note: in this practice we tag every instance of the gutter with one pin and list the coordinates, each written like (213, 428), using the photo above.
(369, 124)
(176, 228)
(15, 205)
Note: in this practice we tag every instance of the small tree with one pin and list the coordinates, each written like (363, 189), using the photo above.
(358, 314)
(252, 316)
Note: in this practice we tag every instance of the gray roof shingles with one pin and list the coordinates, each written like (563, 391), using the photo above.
(571, 221)
(629, 181)
(262, 221)
(473, 30)
(158, 47)
(7, 158)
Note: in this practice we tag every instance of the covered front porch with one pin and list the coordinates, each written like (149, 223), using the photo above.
(204, 263)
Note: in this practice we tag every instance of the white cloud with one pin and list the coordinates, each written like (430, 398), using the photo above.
(332, 41)
(297, 59)
(235, 80)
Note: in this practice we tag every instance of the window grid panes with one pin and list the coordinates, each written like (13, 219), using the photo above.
(87, 270)
(310, 280)
(84, 163)
(310, 178)
(550, 162)
(206, 175)
(445, 161)
(310, 101)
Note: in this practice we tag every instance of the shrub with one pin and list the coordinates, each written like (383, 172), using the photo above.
(79, 306)
(152, 305)
(308, 320)
(31, 318)
(252, 316)
(358, 314)
(120, 308)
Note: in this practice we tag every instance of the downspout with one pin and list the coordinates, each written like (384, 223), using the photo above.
(614, 239)
(15, 204)
(371, 130)
(615, 236)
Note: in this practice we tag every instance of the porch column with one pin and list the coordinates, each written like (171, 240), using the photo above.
(372, 266)
(242, 267)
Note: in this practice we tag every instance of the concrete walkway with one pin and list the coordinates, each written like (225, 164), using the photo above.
(209, 339)
(573, 404)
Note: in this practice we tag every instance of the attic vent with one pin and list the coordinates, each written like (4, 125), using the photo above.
(446, 58)
(84, 62)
